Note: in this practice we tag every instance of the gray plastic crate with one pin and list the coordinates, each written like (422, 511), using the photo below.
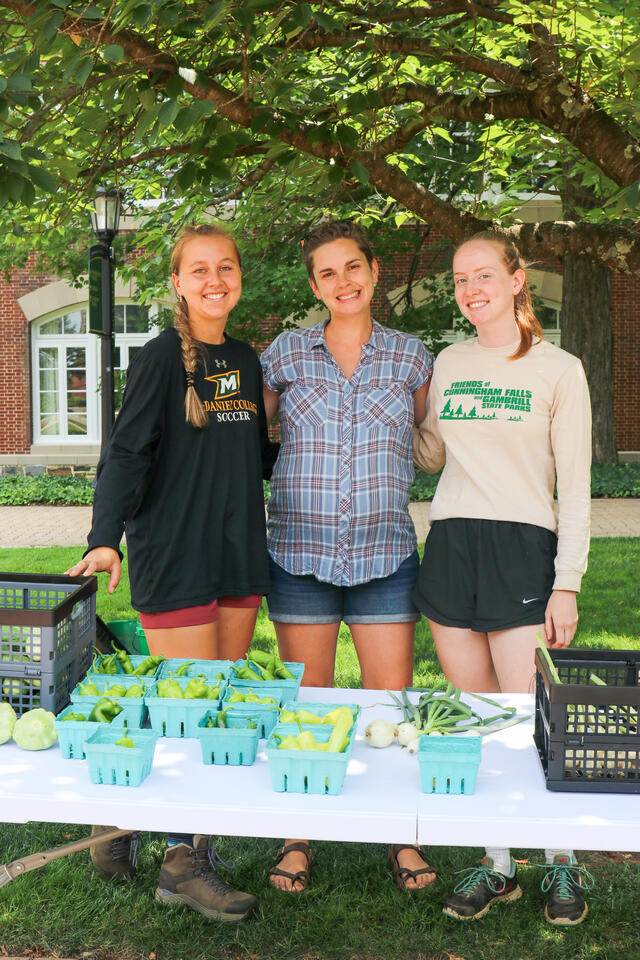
(47, 627)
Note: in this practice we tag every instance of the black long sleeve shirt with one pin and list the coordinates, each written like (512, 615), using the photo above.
(190, 499)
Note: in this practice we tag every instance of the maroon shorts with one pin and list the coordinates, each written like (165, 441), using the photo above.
(193, 616)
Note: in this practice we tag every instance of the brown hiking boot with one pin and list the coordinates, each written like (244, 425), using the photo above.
(116, 858)
(188, 875)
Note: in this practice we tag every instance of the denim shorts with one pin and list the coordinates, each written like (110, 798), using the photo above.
(304, 599)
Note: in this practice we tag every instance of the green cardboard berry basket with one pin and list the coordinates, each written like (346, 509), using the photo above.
(204, 668)
(307, 771)
(449, 763)
(135, 662)
(120, 766)
(321, 709)
(233, 746)
(133, 707)
(175, 716)
(280, 689)
(264, 715)
(73, 734)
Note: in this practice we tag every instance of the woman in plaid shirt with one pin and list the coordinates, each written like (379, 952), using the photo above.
(341, 542)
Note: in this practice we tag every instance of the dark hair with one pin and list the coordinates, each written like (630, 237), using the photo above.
(528, 324)
(192, 351)
(329, 230)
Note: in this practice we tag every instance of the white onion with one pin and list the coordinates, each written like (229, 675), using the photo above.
(379, 733)
(407, 732)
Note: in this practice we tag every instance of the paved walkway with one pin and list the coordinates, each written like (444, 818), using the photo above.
(41, 526)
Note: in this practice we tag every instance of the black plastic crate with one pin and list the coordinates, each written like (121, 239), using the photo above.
(47, 628)
(588, 735)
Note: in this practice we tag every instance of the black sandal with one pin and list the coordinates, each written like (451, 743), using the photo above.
(302, 877)
(401, 874)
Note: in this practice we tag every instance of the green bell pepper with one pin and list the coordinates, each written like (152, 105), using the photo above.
(104, 663)
(236, 696)
(183, 669)
(196, 689)
(105, 711)
(170, 688)
(123, 658)
(150, 665)
(125, 741)
(246, 673)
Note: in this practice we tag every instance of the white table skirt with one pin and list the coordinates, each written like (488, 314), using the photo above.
(381, 801)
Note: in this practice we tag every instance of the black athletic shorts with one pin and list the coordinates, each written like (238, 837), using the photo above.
(486, 574)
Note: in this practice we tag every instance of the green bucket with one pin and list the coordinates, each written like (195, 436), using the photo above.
(131, 636)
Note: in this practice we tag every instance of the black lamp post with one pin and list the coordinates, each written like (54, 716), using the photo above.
(105, 220)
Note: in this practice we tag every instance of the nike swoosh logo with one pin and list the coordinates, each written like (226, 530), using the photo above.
(529, 601)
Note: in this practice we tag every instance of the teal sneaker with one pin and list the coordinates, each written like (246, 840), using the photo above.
(479, 890)
(564, 882)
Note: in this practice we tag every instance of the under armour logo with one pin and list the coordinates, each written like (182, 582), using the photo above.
(221, 363)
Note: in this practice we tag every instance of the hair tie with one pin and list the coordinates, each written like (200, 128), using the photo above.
(190, 379)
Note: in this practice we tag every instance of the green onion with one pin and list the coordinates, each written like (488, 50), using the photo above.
(547, 659)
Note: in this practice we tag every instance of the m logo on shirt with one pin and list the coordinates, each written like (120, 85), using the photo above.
(227, 384)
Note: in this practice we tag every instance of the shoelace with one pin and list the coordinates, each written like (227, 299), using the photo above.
(476, 875)
(565, 876)
(204, 862)
(126, 848)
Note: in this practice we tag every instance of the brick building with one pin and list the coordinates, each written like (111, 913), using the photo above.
(49, 363)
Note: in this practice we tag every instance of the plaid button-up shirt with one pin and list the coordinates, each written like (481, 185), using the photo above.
(339, 505)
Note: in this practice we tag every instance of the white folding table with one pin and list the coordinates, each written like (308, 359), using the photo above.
(381, 800)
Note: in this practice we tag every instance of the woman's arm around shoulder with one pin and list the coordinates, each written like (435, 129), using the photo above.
(428, 445)
(271, 399)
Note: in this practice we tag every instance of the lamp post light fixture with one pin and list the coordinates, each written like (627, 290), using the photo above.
(105, 220)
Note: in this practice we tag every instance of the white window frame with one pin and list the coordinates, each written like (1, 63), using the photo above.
(92, 346)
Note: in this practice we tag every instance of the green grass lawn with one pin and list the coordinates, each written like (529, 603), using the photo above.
(352, 908)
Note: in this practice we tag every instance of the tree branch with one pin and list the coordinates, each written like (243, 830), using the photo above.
(433, 11)
(255, 176)
(364, 40)
(510, 105)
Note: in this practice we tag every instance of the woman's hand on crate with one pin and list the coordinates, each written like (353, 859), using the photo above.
(97, 560)
(561, 618)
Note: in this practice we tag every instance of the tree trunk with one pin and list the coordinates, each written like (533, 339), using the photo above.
(586, 332)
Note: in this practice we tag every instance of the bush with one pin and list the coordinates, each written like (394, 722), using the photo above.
(424, 485)
(45, 488)
(615, 480)
(607, 480)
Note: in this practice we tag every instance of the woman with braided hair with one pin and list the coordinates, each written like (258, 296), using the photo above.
(182, 474)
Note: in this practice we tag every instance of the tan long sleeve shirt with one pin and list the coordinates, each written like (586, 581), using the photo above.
(506, 431)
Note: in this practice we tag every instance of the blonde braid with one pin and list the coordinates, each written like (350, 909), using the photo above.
(192, 354)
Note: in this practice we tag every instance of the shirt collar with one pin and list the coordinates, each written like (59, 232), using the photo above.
(375, 341)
